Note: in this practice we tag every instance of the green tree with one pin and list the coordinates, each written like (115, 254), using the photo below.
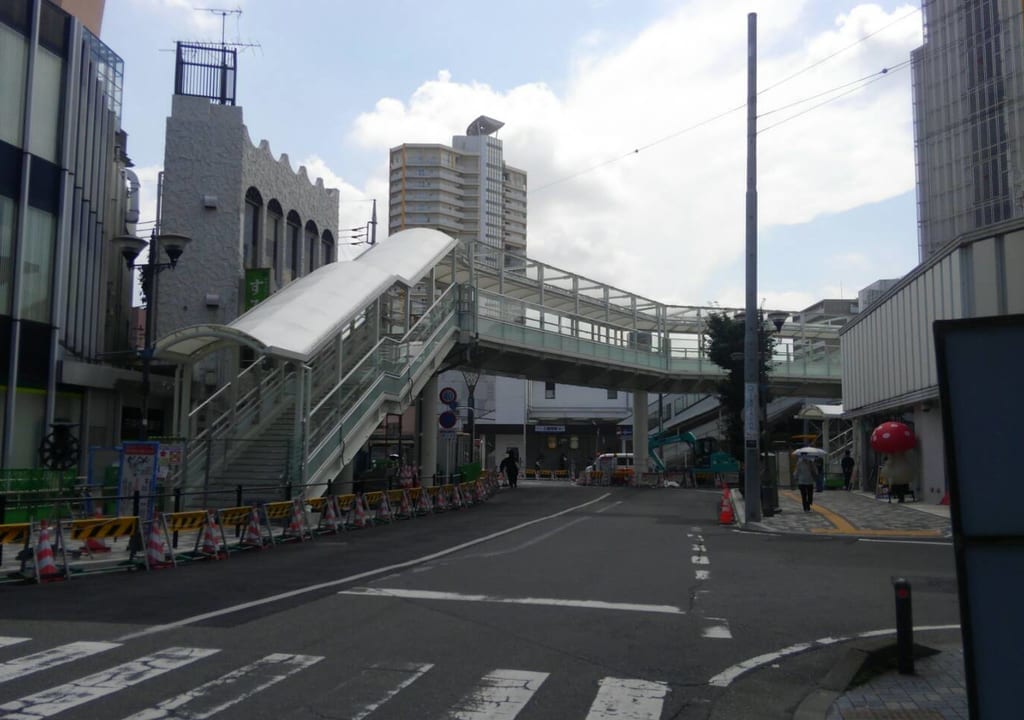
(723, 343)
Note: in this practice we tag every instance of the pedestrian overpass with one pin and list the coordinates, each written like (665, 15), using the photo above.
(323, 360)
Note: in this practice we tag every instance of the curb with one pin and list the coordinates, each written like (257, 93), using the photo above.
(816, 704)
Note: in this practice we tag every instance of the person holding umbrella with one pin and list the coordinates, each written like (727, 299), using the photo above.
(894, 439)
(804, 476)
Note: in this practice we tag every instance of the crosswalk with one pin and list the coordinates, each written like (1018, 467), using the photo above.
(498, 694)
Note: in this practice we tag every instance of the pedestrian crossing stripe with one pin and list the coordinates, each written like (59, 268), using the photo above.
(20, 667)
(209, 699)
(501, 694)
(78, 692)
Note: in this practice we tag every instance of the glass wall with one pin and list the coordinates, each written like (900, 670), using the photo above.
(46, 105)
(13, 70)
(37, 265)
(8, 223)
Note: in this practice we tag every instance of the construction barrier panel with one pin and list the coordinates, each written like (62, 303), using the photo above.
(331, 519)
(238, 517)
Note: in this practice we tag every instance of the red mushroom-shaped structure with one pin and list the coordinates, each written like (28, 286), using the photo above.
(892, 437)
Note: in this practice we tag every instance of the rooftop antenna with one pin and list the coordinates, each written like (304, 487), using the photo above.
(224, 12)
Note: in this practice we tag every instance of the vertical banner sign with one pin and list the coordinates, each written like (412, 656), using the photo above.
(169, 459)
(750, 403)
(257, 286)
(138, 474)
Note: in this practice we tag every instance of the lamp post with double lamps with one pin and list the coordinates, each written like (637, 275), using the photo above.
(131, 246)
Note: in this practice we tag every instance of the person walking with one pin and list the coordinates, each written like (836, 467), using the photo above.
(511, 470)
(847, 465)
(804, 475)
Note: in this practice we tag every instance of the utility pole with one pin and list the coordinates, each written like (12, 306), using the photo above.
(751, 351)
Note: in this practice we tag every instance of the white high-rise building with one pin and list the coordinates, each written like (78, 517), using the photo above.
(968, 128)
(466, 190)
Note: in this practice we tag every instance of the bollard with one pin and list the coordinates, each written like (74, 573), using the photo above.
(238, 503)
(904, 627)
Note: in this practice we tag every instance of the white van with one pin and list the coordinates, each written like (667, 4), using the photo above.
(615, 468)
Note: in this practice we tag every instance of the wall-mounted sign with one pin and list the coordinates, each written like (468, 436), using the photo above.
(549, 428)
(257, 286)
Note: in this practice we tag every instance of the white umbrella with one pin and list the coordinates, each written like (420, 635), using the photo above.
(810, 451)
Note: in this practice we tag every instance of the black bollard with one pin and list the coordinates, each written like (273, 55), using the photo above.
(904, 626)
(177, 508)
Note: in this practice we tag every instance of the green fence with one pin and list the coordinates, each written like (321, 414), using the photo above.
(29, 493)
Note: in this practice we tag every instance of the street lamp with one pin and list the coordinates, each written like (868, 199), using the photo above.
(130, 246)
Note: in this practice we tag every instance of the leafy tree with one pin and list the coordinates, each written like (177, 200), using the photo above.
(724, 338)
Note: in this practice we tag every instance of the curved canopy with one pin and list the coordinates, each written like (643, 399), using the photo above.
(294, 322)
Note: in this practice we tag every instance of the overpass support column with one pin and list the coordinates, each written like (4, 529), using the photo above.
(640, 438)
(428, 432)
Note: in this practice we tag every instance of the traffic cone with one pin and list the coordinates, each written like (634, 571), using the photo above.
(442, 498)
(210, 546)
(253, 535)
(155, 554)
(725, 514)
(46, 566)
(945, 499)
(405, 509)
(297, 523)
(424, 505)
(384, 514)
(93, 545)
(330, 518)
(358, 512)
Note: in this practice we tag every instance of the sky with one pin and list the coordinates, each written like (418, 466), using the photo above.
(629, 117)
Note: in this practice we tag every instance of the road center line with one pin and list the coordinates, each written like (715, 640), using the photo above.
(402, 593)
(154, 629)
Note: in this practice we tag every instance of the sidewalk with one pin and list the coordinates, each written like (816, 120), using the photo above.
(937, 689)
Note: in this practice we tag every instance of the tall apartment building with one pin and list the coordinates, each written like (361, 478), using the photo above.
(466, 189)
(64, 195)
(968, 84)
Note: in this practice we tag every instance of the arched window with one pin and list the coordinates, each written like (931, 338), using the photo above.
(327, 247)
(275, 231)
(312, 246)
(251, 228)
(293, 248)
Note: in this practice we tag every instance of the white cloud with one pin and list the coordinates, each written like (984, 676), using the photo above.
(663, 220)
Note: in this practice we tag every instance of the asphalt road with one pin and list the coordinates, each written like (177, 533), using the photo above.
(549, 601)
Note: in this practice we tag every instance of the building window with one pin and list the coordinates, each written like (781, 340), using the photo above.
(251, 228)
(37, 265)
(613, 394)
(8, 213)
(46, 105)
(13, 71)
(327, 248)
(549, 390)
(292, 249)
(275, 223)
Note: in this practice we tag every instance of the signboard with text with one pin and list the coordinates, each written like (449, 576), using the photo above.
(257, 286)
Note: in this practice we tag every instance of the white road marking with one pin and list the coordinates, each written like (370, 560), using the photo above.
(700, 560)
(906, 542)
(402, 593)
(5, 641)
(528, 543)
(719, 631)
(417, 672)
(152, 630)
(78, 692)
(702, 574)
(624, 699)
(500, 695)
(725, 678)
(19, 667)
(208, 699)
(698, 549)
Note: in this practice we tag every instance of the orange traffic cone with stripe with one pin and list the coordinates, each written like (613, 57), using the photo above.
(93, 545)
(156, 556)
(297, 523)
(46, 566)
(405, 509)
(384, 514)
(330, 518)
(210, 546)
(253, 535)
(725, 513)
(423, 504)
(481, 494)
(358, 512)
(442, 499)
